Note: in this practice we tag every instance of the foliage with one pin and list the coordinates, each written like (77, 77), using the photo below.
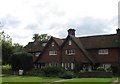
(78, 67)
(34, 72)
(5, 67)
(7, 48)
(67, 75)
(52, 71)
(42, 37)
(17, 48)
(100, 69)
(109, 69)
(6, 52)
(21, 60)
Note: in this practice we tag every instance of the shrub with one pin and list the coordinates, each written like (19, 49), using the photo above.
(109, 69)
(5, 67)
(52, 71)
(67, 75)
(100, 69)
(34, 72)
(21, 60)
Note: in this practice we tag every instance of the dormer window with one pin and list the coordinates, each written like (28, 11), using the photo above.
(37, 54)
(53, 43)
(44, 44)
(70, 42)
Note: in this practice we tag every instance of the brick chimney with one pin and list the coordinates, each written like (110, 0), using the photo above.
(118, 34)
(71, 32)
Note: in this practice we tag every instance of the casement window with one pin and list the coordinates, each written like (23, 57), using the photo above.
(53, 43)
(53, 52)
(103, 51)
(70, 52)
(37, 54)
(70, 42)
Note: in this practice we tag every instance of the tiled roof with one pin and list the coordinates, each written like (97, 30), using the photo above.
(58, 41)
(34, 47)
(80, 45)
(100, 41)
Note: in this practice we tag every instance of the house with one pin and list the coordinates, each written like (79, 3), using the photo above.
(90, 51)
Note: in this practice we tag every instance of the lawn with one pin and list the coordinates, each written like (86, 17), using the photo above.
(41, 80)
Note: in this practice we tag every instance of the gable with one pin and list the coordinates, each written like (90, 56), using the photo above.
(77, 44)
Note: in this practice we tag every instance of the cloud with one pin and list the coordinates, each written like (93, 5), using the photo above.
(91, 26)
(9, 21)
(23, 18)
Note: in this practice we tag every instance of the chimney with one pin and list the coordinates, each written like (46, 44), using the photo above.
(71, 32)
(118, 34)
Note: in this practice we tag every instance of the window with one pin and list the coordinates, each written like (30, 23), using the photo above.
(37, 54)
(53, 43)
(70, 42)
(70, 52)
(44, 44)
(103, 51)
(54, 52)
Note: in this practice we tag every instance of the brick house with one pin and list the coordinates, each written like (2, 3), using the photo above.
(89, 51)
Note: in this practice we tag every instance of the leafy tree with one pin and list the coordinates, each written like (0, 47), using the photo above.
(7, 48)
(6, 43)
(21, 60)
(42, 37)
(16, 47)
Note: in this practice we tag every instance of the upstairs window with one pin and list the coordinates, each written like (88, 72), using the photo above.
(70, 52)
(103, 51)
(37, 54)
(53, 44)
(53, 52)
(70, 42)
(44, 44)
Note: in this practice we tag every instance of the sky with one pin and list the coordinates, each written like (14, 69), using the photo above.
(21, 19)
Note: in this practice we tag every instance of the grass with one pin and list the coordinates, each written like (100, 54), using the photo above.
(41, 80)
(28, 79)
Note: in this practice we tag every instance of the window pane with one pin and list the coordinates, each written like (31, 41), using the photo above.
(103, 51)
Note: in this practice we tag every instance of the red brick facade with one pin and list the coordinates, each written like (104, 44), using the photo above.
(91, 50)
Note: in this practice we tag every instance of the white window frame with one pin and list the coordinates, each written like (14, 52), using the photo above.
(70, 42)
(37, 54)
(103, 51)
(53, 43)
(53, 52)
(72, 66)
(70, 52)
(44, 44)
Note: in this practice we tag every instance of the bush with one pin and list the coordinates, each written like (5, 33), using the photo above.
(52, 71)
(34, 72)
(67, 75)
(21, 60)
(109, 69)
(5, 67)
(100, 69)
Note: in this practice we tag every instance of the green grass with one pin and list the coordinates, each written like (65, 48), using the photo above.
(39, 80)
(28, 79)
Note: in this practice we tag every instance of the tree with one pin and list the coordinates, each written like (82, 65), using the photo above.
(21, 60)
(7, 48)
(42, 37)
(16, 47)
(6, 43)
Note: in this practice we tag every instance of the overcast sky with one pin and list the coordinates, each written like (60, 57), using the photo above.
(23, 18)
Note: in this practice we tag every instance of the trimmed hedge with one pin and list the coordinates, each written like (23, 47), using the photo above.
(52, 71)
(67, 75)
(95, 74)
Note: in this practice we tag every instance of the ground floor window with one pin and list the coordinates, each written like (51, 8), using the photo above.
(68, 65)
(53, 64)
